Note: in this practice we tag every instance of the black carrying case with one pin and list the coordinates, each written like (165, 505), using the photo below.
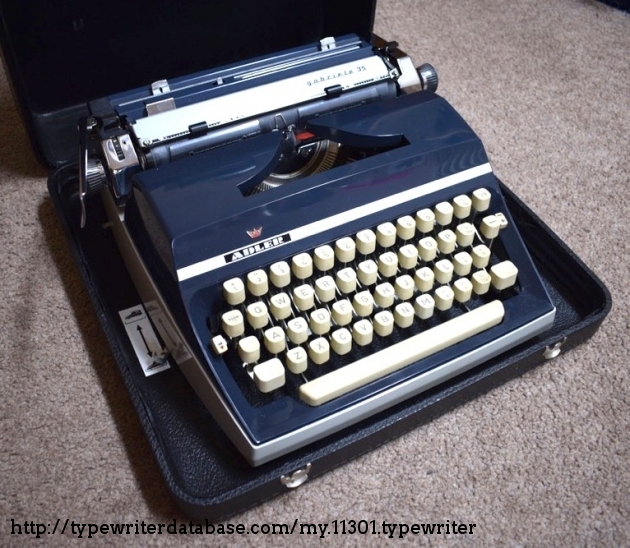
(206, 476)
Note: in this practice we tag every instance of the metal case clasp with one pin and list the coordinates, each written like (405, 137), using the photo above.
(297, 478)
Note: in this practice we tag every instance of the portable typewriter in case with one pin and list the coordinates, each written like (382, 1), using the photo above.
(319, 233)
(296, 249)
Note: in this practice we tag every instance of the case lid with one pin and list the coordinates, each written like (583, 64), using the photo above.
(60, 55)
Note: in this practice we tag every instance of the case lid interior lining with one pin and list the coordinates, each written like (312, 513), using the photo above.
(74, 51)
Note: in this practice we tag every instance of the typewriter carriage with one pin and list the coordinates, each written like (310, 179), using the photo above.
(113, 147)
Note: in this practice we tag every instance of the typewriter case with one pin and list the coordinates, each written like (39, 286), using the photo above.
(61, 56)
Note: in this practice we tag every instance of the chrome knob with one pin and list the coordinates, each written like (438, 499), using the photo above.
(95, 176)
(91, 172)
(428, 76)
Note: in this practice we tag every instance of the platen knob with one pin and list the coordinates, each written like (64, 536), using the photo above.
(95, 175)
(91, 172)
(428, 77)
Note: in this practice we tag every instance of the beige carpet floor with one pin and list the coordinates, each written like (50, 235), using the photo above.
(541, 461)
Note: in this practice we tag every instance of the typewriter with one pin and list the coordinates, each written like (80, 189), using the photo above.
(322, 232)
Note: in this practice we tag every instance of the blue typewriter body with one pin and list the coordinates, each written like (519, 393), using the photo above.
(197, 211)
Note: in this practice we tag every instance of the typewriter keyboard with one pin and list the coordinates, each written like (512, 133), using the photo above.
(344, 314)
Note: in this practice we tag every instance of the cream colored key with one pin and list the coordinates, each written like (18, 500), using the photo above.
(320, 321)
(395, 357)
(386, 234)
(269, 375)
(424, 306)
(480, 256)
(427, 249)
(234, 291)
(481, 199)
(219, 345)
(319, 350)
(363, 304)
(367, 272)
(342, 312)
(490, 226)
(443, 297)
(325, 289)
(443, 271)
(280, 306)
(275, 340)
(296, 360)
(462, 205)
(280, 274)
(362, 332)
(383, 323)
(462, 263)
(406, 227)
(408, 256)
(384, 295)
(324, 258)
(249, 349)
(462, 289)
(424, 279)
(345, 250)
(302, 266)
(346, 280)
(341, 341)
(425, 220)
(388, 264)
(465, 234)
(297, 330)
(232, 323)
(404, 287)
(257, 282)
(304, 297)
(503, 275)
(443, 213)
(403, 315)
(257, 315)
(503, 222)
(481, 282)
(365, 241)
(446, 241)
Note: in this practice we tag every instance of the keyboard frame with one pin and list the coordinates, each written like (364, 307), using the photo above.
(436, 151)
(259, 443)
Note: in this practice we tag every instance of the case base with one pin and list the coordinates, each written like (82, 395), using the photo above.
(206, 476)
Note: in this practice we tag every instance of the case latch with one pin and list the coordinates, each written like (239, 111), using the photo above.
(553, 351)
(297, 478)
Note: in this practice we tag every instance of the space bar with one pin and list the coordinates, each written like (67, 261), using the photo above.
(395, 357)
